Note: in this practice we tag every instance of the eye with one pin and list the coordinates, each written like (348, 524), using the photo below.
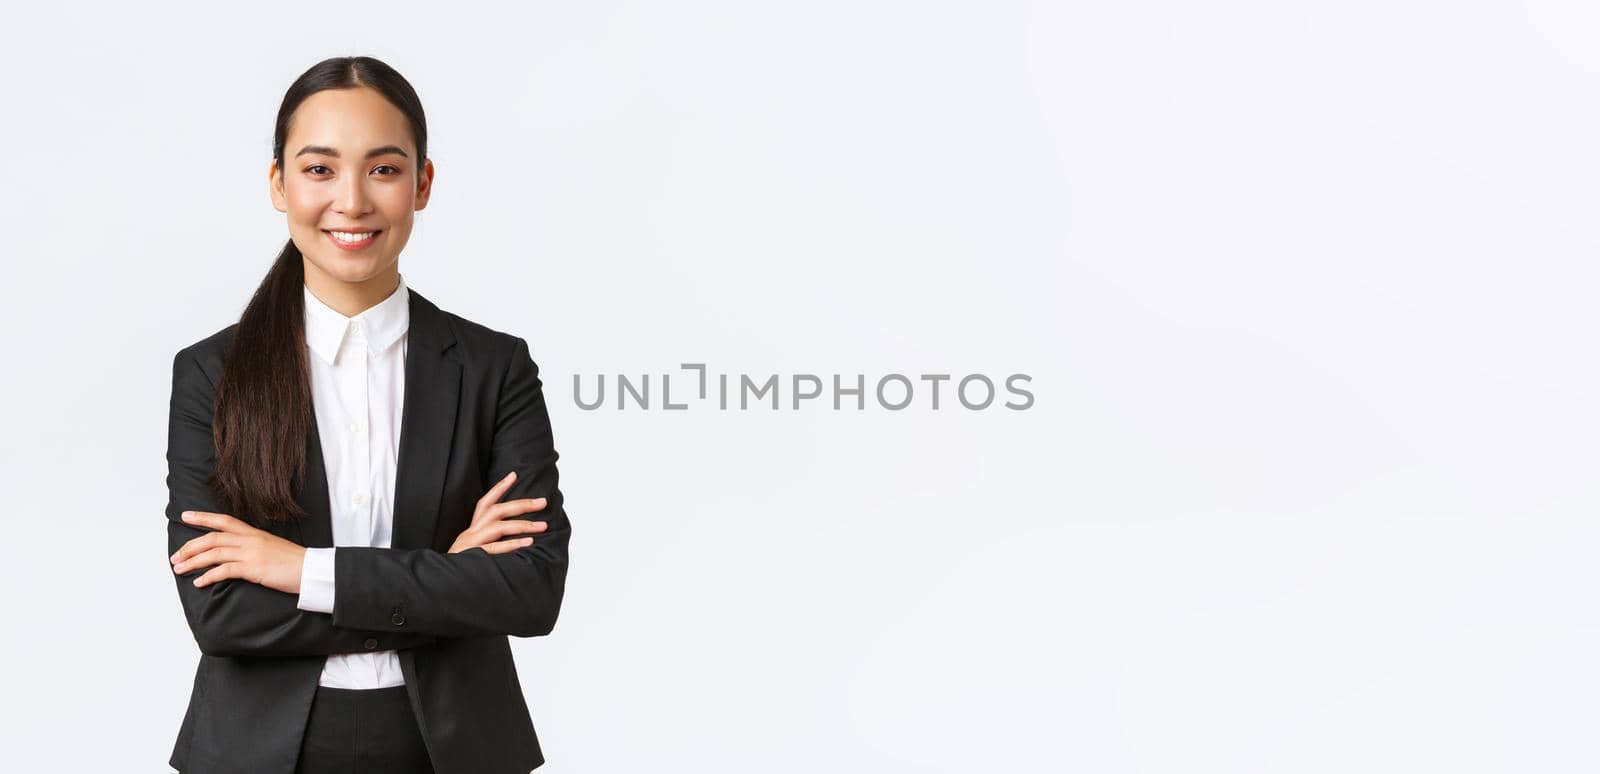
(314, 167)
(393, 169)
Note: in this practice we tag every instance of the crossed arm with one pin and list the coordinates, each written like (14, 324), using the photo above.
(239, 598)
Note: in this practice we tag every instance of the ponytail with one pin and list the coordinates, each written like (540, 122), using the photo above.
(263, 409)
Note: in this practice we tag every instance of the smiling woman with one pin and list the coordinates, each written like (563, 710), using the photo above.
(349, 573)
(351, 184)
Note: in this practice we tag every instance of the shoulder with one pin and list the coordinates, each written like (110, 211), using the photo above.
(498, 360)
(476, 338)
(476, 343)
(493, 356)
(206, 354)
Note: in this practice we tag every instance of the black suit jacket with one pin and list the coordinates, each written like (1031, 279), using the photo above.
(473, 411)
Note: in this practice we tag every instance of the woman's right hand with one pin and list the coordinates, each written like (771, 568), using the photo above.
(492, 522)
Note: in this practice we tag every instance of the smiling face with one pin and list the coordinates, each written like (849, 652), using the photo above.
(350, 185)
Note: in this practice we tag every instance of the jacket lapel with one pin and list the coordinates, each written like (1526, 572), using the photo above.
(427, 424)
(316, 529)
(427, 427)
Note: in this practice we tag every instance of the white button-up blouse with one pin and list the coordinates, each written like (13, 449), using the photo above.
(358, 389)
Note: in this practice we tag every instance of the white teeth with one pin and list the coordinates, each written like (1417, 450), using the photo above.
(345, 237)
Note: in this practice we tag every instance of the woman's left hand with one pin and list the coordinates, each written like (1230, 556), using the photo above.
(239, 551)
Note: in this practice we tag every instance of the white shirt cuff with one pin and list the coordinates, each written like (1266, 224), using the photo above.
(316, 581)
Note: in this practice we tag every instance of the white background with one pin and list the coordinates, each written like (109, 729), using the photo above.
(1306, 290)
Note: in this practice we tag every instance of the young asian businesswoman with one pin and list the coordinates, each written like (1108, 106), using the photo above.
(394, 655)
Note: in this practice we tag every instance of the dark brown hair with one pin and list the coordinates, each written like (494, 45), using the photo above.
(264, 412)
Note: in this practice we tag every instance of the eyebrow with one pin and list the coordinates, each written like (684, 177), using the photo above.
(327, 151)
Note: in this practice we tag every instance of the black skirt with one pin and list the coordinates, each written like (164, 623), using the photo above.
(361, 731)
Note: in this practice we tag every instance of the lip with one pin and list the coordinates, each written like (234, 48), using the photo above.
(352, 246)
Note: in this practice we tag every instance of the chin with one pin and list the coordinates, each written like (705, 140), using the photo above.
(351, 269)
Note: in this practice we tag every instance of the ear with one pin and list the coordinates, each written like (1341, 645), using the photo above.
(275, 187)
(424, 185)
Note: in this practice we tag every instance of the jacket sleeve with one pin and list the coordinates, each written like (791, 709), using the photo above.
(236, 617)
(474, 593)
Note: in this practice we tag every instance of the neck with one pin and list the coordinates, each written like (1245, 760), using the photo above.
(351, 298)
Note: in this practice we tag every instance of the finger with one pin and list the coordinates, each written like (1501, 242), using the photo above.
(204, 543)
(218, 573)
(195, 546)
(515, 527)
(216, 555)
(220, 521)
(493, 495)
(506, 546)
(515, 508)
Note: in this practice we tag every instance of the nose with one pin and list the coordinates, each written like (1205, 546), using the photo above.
(351, 197)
